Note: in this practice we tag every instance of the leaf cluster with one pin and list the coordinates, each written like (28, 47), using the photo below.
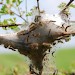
(10, 7)
(63, 4)
(7, 22)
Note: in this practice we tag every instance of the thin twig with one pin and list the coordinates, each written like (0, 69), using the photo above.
(9, 25)
(67, 5)
(38, 7)
(26, 9)
(20, 17)
(17, 14)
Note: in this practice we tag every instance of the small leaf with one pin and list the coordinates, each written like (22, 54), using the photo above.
(15, 28)
(11, 20)
(4, 9)
(13, 1)
(72, 5)
(19, 2)
(29, 14)
(62, 5)
(14, 19)
(5, 22)
(4, 28)
(7, 1)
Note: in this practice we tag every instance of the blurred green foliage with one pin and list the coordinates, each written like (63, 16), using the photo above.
(16, 64)
(13, 64)
(65, 60)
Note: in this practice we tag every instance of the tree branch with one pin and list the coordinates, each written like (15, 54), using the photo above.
(15, 13)
(67, 5)
(38, 7)
(10, 25)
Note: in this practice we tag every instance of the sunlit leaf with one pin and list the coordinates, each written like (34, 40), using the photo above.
(7, 1)
(29, 14)
(14, 19)
(4, 28)
(19, 2)
(11, 20)
(15, 28)
(13, 1)
(62, 5)
(72, 5)
(5, 22)
(4, 9)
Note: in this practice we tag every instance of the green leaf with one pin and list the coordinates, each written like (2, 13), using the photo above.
(4, 28)
(72, 5)
(14, 19)
(15, 28)
(4, 9)
(11, 20)
(13, 1)
(29, 14)
(7, 1)
(19, 2)
(62, 5)
(5, 22)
